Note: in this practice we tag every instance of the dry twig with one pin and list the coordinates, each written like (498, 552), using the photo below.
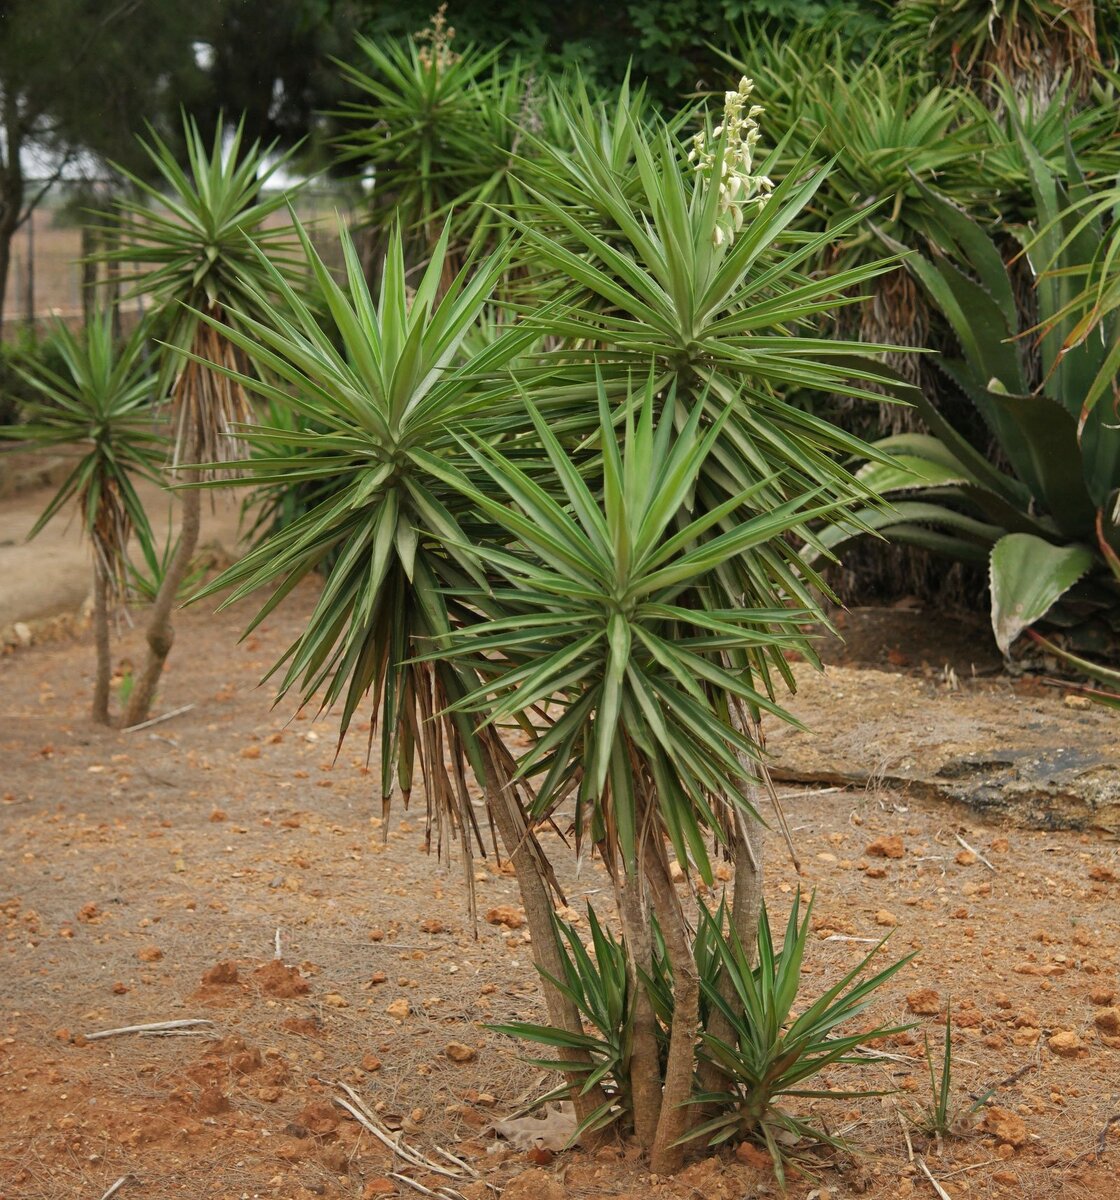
(116, 1187)
(941, 1192)
(973, 850)
(157, 720)
(157, 1028)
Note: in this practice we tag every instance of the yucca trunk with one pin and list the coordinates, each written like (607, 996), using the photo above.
(677, 1115)
(102, 592)
(644, 1066)
(161, 633)
(536, 899)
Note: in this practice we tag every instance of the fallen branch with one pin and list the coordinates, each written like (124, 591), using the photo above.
(156, 1028)
(157, 720)
(357, 1109)
(117, 1186)
(973, 850)
(906, 1135)
(941, 1192)
(444, 1193)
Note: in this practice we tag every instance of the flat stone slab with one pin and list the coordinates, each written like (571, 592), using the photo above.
(1030, 759)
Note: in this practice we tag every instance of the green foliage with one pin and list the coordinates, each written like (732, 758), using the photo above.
(939, 1118)
(381, 390)
(595, 614)
(772, 1053)
(1036, 39)
(89, 392)
(1057, 502)
(598, 985)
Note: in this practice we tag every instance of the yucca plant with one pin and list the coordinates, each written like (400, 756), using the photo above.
(773, 1052)
(884, 127)
(597, 981)
(184, 244)
(688, 270)
(598, 613)
(381, 389)
(1051, 520)
(101, 398)
(436, 129)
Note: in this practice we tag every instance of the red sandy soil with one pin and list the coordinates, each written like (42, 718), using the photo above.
(144, 876)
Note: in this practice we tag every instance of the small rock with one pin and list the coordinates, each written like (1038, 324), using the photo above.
(335, 1000)
(250, 751)
(1108, 1020)
(278, 980)
(22, 632)
(1066, 1044)
(925, 1002)
(459, 1053)
(887, 847)
(882, 917)
(1005, 1126)
(432, 925)
(1102, 996)
(149, 954)
(1072, 700)
(1102, 874)
(211, 1102)
(965, 858)
(370, 1062)
(398, 1010)
(753, 1156)
(505, 914)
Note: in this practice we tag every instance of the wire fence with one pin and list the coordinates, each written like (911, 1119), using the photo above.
(47, 280)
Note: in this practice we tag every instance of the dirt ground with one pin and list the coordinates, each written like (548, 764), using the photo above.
(153, 876)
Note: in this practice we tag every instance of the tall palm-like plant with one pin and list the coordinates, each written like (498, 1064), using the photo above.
(185, 244)
(598, 612)
(387, 384)
(101, 398)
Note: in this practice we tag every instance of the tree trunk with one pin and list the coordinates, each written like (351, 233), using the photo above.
(7, 233)
(645, 1054)
(547, 954)
(161, 634)
(101, 593)
(677, 1115)
(746, 906)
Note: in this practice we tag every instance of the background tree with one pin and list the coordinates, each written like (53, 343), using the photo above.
(76, 76)
(188, 251)
(100, 399)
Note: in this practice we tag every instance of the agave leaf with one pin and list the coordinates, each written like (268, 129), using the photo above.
(1028, 577)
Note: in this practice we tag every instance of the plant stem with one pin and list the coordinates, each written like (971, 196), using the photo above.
(160, 633)
(101, 590)
(523, 849)
(667, 1155)
(645, 1055)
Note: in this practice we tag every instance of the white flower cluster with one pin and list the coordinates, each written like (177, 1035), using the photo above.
(739, 188)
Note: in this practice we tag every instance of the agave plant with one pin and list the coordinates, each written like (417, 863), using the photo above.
(1051, 520)
(185, 243)
(101, 397)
